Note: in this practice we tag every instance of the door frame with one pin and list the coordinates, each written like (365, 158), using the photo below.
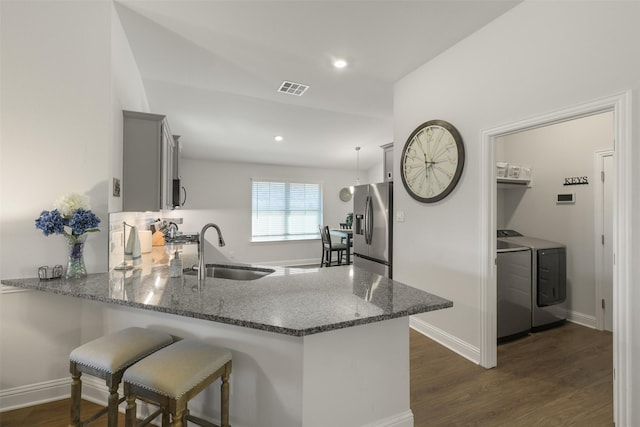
(621, 105)
(597, 221)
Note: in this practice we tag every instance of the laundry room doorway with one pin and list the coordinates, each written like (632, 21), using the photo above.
(548, 190)
(620, 106)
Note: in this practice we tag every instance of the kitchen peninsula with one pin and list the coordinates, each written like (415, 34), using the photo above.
(311, 347)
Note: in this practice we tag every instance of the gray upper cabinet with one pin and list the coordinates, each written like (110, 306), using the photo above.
(387, 162)
(150, 163)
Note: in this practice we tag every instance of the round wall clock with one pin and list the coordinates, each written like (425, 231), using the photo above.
(345, 194)
(432, 161)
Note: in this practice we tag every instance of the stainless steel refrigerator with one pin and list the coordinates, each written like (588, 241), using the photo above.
(373, 228)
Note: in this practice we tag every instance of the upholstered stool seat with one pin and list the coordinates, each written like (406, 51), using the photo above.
(107, 358)
(174, 375)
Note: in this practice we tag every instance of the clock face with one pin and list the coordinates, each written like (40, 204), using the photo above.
(432, 161)
(345, 194)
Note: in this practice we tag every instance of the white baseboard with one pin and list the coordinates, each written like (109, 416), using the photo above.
(454, 344)
(582, 319)
(93, 390)
(34, 394)
(403, 419)
(470, 352)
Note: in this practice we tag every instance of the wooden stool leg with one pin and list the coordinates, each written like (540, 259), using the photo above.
(112, 413)
(224, 396)
(76, 396)
(178, 419)
(131, 411)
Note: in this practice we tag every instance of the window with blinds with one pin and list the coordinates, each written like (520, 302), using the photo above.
(285, 211)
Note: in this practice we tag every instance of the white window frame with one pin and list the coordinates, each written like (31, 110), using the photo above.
(312, 234)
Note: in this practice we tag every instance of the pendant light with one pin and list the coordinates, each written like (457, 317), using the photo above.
(357, 169)
(357, 165)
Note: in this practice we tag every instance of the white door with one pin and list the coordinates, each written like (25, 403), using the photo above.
(606, 303)
(603, 216)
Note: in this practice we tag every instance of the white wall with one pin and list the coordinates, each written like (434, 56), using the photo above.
(537, 58)
(55, 127)
(220, 192)
(55, 139)
(127, 93)
(60, 88)
(375, 173)
(556, 152)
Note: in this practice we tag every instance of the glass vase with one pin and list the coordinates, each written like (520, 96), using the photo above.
(75, 264)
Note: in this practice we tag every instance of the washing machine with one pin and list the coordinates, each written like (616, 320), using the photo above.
(548, 278)
(514, 291)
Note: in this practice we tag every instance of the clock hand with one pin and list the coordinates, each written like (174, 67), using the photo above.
(426, 167)
(435, 163)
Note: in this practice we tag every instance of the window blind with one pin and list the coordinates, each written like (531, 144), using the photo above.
(285, 210)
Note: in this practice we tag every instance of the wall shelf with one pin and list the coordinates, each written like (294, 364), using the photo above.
(511, 183)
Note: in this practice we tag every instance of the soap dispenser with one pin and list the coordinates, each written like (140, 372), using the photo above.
(175, 266)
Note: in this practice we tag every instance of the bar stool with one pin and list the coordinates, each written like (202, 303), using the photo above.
(171, 377)
(107, 358)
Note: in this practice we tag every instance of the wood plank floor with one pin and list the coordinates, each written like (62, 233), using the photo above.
(559, 377)
(52, 414)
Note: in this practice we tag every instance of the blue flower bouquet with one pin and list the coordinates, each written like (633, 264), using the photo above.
(73, 219)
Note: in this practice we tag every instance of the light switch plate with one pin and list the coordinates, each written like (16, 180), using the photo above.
(116, 187)
(400, 216)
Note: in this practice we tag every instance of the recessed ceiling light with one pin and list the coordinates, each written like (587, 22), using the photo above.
(278, 138)
(339, 63)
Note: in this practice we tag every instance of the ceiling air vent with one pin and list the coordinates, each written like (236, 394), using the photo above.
(293, 88)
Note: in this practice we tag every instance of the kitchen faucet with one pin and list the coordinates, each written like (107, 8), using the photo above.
(173, 230)
(201, 266)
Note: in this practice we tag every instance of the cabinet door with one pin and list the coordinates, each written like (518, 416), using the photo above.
(387, 162)
(168, 173)
(176, 157)
(150, 162)
(142, 162)
(179, 194)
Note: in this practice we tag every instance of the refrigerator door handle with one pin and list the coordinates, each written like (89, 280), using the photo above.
(366, 216)
(369, 221)
(366, 220)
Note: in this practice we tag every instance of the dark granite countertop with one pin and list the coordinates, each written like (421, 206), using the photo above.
(291, 301)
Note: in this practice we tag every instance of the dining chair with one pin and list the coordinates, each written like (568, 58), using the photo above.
(329, 247)
(345, 226)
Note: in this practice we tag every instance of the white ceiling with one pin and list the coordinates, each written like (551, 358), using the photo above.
(214, 67)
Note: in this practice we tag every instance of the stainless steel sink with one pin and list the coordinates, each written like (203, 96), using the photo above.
(232, 272)
(182, 239)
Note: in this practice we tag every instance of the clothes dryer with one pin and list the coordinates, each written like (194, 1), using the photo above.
(548, 278)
